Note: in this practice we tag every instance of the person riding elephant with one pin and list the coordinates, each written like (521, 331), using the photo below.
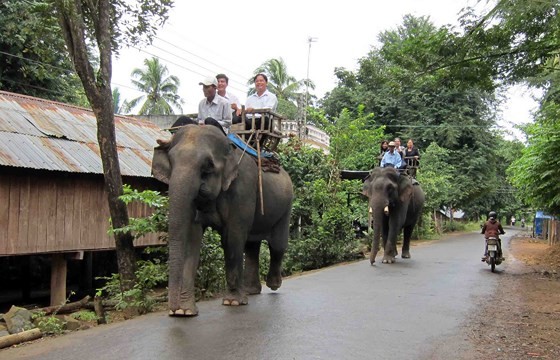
(395, 203)
(211, 184)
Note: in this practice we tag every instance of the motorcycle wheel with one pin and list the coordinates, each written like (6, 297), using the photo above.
(493, 263)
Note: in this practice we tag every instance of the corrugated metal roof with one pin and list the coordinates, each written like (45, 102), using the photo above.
(46, 135)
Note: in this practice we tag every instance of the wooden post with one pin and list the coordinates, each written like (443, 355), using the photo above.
(58, 279)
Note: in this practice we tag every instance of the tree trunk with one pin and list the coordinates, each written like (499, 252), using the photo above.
(126, 257)
(97, 86)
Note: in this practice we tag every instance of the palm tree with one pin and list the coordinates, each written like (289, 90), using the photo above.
(160, 89)
(118, 107)
(280, 82)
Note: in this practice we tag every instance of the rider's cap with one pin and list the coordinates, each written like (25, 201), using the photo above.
(209, 81)
(392, 143)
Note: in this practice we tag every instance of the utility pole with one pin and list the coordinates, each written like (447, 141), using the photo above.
(309, 41)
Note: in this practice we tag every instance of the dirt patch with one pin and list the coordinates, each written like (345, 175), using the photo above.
(523, 320)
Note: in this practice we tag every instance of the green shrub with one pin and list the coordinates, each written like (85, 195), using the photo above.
(85, 315)
(149, 274)
(210, 275)
(48, 324)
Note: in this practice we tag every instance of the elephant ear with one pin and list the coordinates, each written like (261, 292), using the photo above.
(405, 188)
(373, 174)
(231, 168)
(366, 185)
(161, 167)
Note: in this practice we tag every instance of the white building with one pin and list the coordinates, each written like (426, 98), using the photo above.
(313, 136)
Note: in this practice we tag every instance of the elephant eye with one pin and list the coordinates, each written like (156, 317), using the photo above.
(208, 168)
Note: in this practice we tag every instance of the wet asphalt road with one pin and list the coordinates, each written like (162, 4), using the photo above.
(413, 309)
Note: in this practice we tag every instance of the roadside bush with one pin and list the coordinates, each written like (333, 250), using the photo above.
(210, 275)
(48, 324)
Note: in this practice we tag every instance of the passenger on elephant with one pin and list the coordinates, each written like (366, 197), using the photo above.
(262, 98)
(398, 147)
(492, 228)
(234, 103)
(391, 158)
(383, 148)
(411, 157)
(213, 106)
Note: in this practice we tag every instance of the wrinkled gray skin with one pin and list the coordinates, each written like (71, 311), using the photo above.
(395, 204)
(209, 186)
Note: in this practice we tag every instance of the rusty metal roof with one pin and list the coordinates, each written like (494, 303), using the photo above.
(42, 134)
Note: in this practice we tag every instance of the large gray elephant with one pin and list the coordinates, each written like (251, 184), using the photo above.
(395, 203)
(214, 184)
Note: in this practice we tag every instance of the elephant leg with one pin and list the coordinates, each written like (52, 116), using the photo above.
(233, 252)
(184, 303)
(251, 278)
(391, 244)
(406, 241)
(277, 244)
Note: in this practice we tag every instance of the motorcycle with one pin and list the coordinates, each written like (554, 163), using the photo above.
(493, 258)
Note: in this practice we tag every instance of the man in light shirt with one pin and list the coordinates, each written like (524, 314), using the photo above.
(261, 99)
(391, 158)
(213, 106)
(234, 103)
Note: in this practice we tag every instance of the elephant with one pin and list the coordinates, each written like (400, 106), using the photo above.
(395, 203)
(212, 183)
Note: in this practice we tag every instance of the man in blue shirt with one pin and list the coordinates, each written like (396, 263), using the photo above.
(391, 158)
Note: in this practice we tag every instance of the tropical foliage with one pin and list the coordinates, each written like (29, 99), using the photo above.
(159, 87)
(32, 54)
(287, 89)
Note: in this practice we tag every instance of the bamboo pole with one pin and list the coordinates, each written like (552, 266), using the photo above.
(260, 171)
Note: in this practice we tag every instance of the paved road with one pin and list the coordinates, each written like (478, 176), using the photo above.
(413, 309)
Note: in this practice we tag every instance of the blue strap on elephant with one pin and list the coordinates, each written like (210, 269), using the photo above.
(246, 148)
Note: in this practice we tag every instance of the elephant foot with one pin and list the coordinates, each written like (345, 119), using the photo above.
(274, 282)
(388, 259)
(183, 312)
(372, 256)
(405, 255)
(253, 290)
(235, 300)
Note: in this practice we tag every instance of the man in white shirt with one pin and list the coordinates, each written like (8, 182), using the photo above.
(213, 106)
(261, 99)
(223, 82)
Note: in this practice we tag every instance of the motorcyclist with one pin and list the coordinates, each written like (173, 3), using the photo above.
(492, 228)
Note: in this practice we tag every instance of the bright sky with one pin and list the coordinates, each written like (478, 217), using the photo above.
(203, 39)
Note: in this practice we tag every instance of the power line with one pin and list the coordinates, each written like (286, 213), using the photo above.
(203, 59)
(181, 66)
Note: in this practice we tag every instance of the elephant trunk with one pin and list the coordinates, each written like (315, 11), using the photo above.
(377, 220)
(184, 239)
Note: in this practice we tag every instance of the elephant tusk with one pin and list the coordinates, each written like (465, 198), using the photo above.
(386, 210)
(370, 210)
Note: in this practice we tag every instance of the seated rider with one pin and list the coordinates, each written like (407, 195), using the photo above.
(391, 158)
(492, 228)
(260, 99)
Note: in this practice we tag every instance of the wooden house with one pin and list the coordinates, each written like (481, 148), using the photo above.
(52, 198)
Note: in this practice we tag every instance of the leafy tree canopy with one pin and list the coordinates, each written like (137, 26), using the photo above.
(33, 59)
(159, 87)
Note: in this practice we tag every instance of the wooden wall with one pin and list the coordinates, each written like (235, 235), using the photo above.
(42, 212)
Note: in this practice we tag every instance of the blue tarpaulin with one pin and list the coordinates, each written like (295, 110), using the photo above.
(539, 217)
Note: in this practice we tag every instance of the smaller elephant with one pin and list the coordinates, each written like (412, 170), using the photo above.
(395, 203)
